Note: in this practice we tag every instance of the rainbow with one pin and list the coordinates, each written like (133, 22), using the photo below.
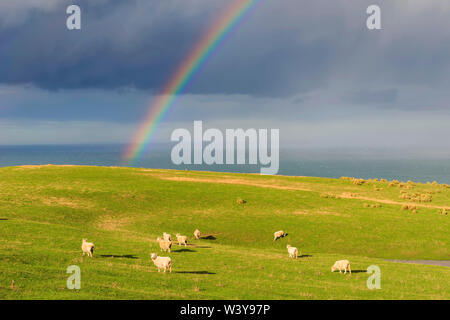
(204, 48)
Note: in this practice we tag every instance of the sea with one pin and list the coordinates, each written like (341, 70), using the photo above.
(403, 165)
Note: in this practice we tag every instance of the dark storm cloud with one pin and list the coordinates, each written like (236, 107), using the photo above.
(282, 48)
(122, 43)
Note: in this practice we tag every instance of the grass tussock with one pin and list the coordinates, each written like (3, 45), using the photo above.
(416, 197)
(375, 205)
(358, 182)
(329, 196)
(354, 181)
(409, 207)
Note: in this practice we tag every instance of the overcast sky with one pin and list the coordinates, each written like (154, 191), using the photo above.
(310, 68)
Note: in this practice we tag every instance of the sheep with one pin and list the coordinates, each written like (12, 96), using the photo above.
(167, 236)
(342, 265)
(162, 262)
(293, 251)
(181, 239)
(279, 234)
(164, 244)
(197, 234)
(88, 248)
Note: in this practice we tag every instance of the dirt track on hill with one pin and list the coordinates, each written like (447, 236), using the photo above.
(294, 188)
(237, 181)
(387, 201)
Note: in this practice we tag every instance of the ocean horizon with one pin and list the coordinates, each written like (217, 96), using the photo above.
(331, 163)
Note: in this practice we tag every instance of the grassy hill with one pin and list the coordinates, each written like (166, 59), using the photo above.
(45, 211)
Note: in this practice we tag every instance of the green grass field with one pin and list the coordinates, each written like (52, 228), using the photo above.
(45, 211)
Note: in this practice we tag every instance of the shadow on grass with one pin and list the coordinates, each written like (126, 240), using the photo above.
(210, 237)
(184, 250)
(353, 271)
(305, 256)
(3, 219)
(195, 272)
(127, 256)
(204, 247)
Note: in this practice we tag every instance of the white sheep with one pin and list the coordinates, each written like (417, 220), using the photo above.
(181, 239)
(162, 262)
(167, 236)
(164, 244)
(87, 247)
(293, 251)
(341, 265)
(197, 234)
(279, 234)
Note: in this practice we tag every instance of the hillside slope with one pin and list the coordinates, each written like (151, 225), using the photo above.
(45, 211)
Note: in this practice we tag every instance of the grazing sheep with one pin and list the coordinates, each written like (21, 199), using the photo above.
(341, 265)
(197, 234)
(162, 262)
(279, 234)
(87, 247)
(181, 239)
(167, 236)
(164, 244)
(293, 251)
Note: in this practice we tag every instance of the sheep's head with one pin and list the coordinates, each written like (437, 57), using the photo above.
(84, 240)
(178, 234)
(333, 268)
(288, 246)
(158, 239)
(154, 256)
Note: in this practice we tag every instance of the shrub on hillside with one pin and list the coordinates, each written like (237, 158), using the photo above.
(357, 182)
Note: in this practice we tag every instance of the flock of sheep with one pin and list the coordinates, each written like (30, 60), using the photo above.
(341, 265)
(165, 244)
